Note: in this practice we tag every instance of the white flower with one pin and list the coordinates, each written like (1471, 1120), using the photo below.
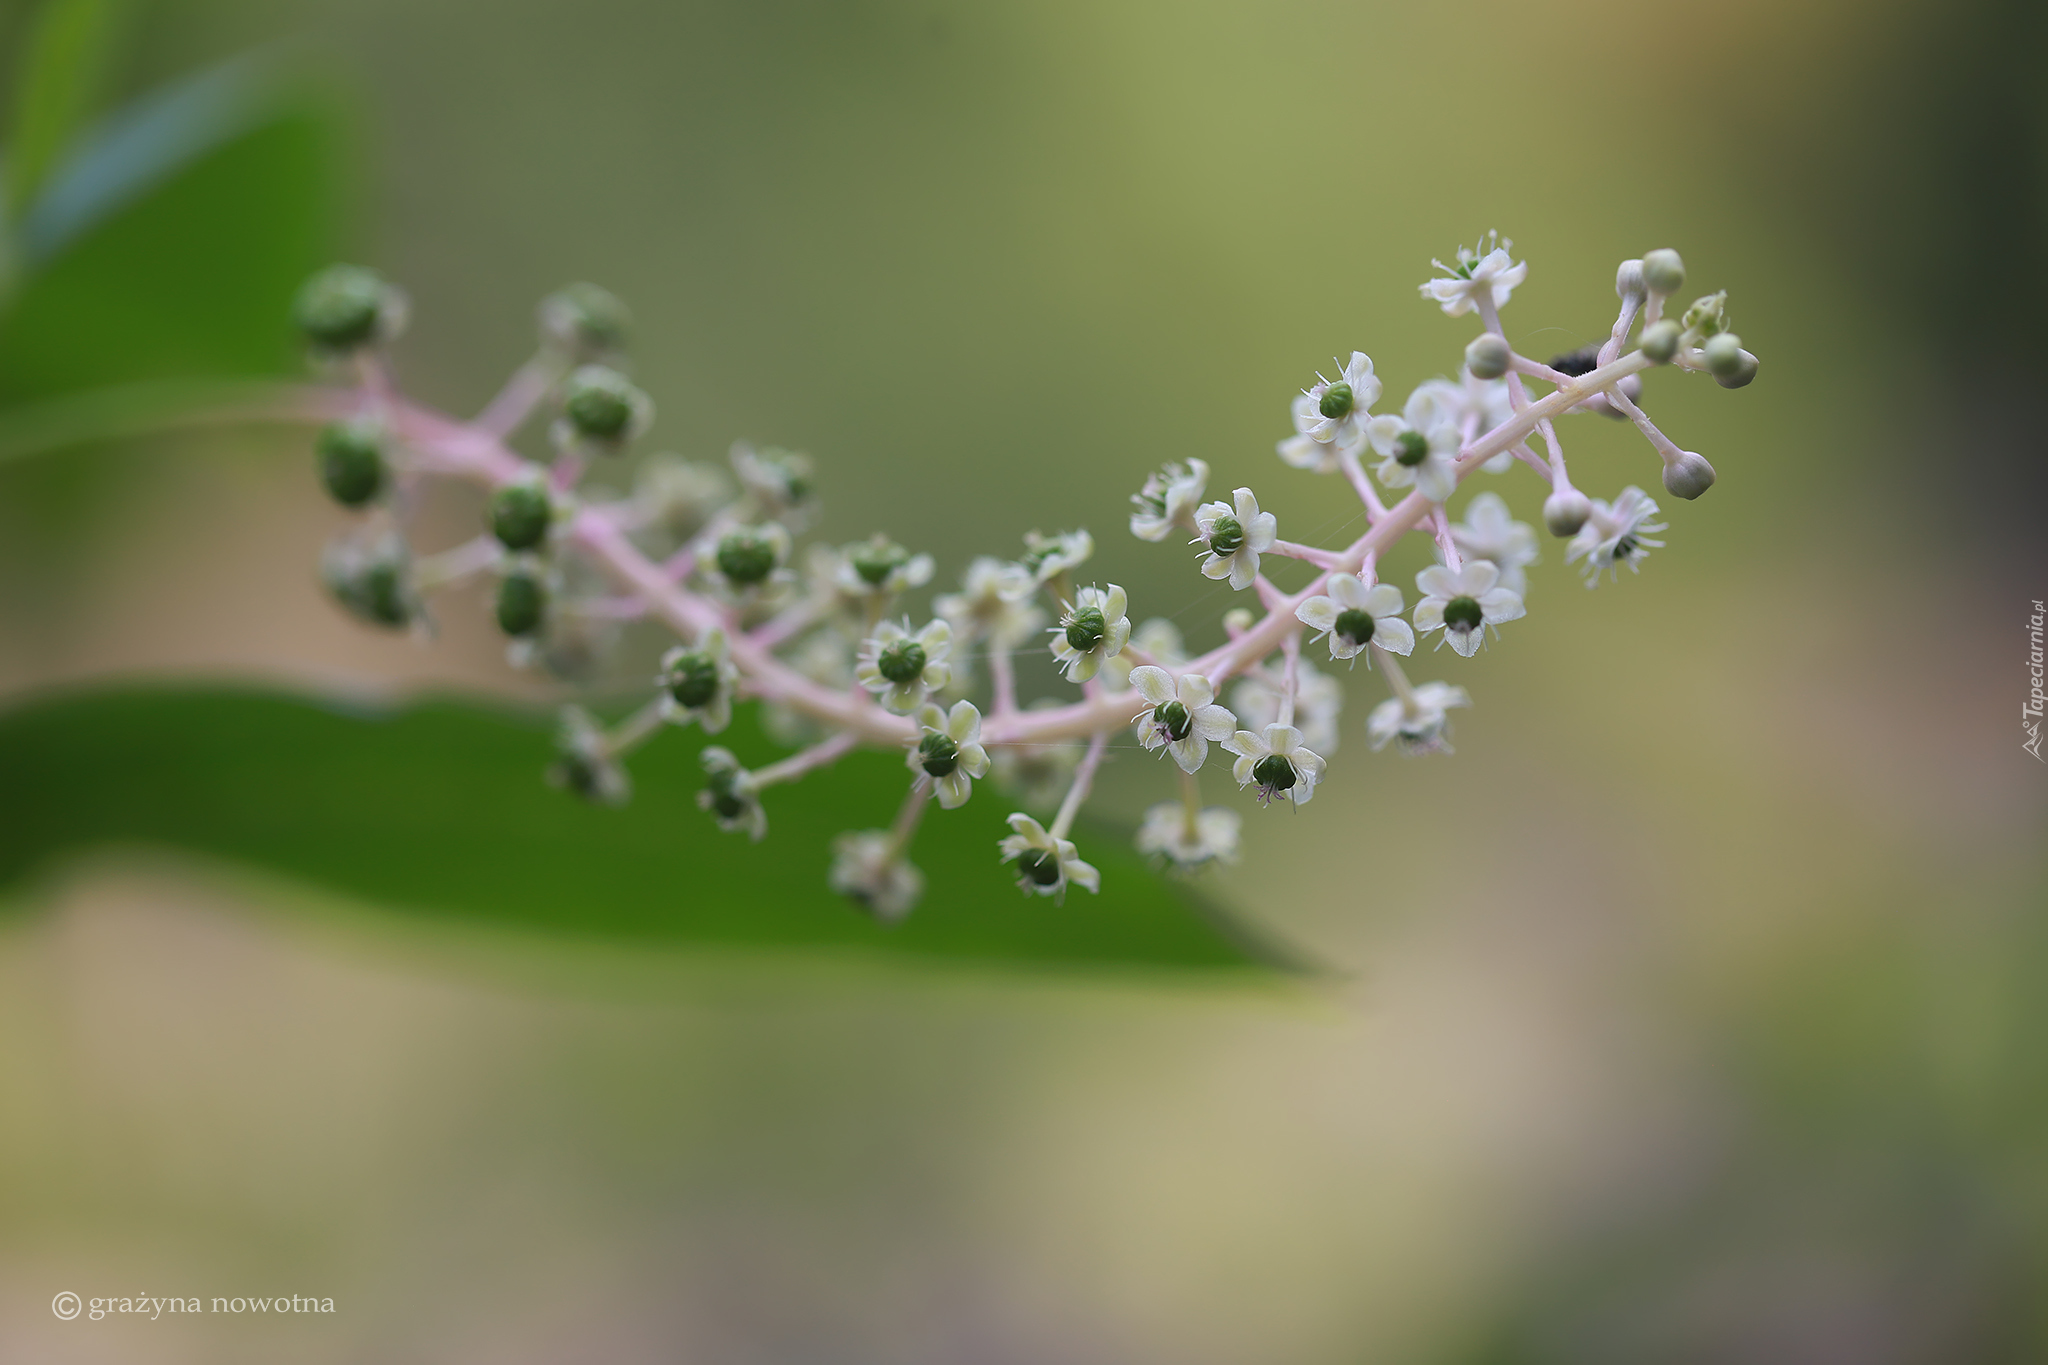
(1045, 865)
(1232, 539)
(1276, 760)
(1306, 452)
(779, 481)
(879, 567)
(730, 795)
(995, 604)
(1187, 841)
(1353, 616)
(1484, 403)
(948, 751)
(1490, 532)
(1464, 604)
(902, 668)
(866, 869)
(1417, 721)
(1615, 535)
(1333, 412)
(1410, 457)
(1168, 499)
(1474, 272)
(1093, 629)
(1318, 704)
(1047, 557)
(749, 559)
(1183, 718)
(586, 766)
(697, 683)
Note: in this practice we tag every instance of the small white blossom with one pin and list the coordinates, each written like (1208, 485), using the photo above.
(1168, 500)
(995, 604)
(1417, 721)
(750, 560)
(586, 766)
(1045, 865)
(1333, 412)
(1276, 760)
(1305, 452)
(1429, 462)
(1047, 557)
(1187, 842)
(679, 496)
(778, 480)
(1037, 774)
(697, 683)
(1182, 718)
(1615, 535)
(1464, 604)
(1353, 616)
(1483, 403)
(1487, 269)
(948, 750)
(901, 668)
(1233, 538)
(1490, 532)
(1318, 704)
(730, 795)
(1094, 629)
(866, 869)
(879, 567)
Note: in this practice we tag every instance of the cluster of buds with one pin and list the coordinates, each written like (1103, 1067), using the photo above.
(824, 644)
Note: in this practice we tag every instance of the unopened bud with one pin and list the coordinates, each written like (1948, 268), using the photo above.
(1660, 342)
(522, 601)
(1688, 476)
(520, 514)
(603, 405)
(1724, 353)
(1744, 371)
(352, 461)
(1663, 271)
(1238, 620)
(583, 322)
(348, 306)
(1565, 511)
(1487, 356)
(1629, 279)
(1708, 314)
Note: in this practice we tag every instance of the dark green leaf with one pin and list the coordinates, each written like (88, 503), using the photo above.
(441, 810)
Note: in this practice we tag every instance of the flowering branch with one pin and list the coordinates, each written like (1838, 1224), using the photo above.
(824, 647)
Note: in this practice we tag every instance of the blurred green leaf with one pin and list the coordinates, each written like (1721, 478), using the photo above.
(59, 74)
(441, 810)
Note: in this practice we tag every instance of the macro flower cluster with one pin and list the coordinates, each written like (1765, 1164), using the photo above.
(831, 645)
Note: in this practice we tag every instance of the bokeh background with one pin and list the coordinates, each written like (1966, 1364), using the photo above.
(1690, 1012)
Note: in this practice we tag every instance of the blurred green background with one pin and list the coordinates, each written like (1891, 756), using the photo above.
(1690, 1012)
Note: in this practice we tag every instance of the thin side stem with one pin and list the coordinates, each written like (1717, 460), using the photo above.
(1084, 777)
(797, 764)
(512, 405)
(635, 729)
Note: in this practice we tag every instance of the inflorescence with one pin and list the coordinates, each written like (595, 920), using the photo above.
(711, 556)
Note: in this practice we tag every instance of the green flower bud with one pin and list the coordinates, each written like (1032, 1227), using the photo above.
(1744, 371)
(352, 461)
(347, 306)
(1086, 628)
(746, 558)
(1724, 353)
(1174, 719)
(1464, 611)
(1411, 448)
(693, 681)
(1226, 536)
(1688, 476)
(1040, 865)
(1274, 773)
(1337, 401)
(602, 405)
(1663, 271)
(522, 601)
(519, 515)
(1355, 626)
(1629, 280)
(874, 560)
(583, 322)
(373, 581)
(1660, 342)
(1565, 511)
(901, 662)
(1708, 314)
(938, 755)
(1486, 355)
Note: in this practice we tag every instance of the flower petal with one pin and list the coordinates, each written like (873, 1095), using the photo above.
(1153, 684)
